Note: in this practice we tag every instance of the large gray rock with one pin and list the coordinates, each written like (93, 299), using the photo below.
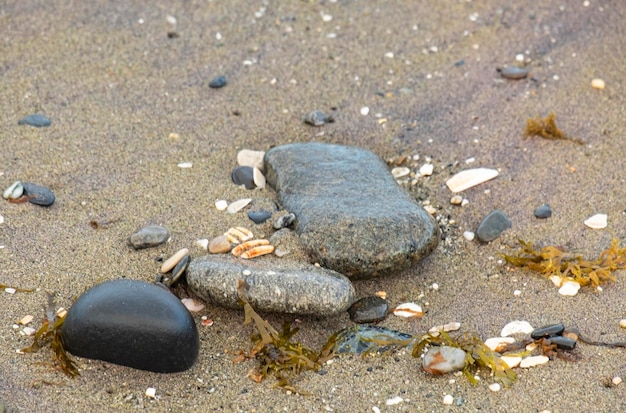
(352, 217)
(275, 285)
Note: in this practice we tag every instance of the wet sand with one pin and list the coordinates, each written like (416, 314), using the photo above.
(115, 87)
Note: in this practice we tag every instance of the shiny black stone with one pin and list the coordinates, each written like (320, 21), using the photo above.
(547, 331)
(259, 217)
(38, 195)
(369, 309)
(243, 175)
(132, 323)
(564, 343)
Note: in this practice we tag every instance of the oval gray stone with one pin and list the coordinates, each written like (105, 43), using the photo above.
(38, 195)
(132, 323)
(150, 236)
(351, 215)
(275, 285)
(37, 120)
(492, 226)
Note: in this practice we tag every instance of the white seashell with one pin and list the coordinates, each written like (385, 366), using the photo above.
(617, 380)
(556, 280)
(1, 219)
(498, 343)
(494, 387)
(469, 235)
(598, 221)
(192, 305)
(394, 400)
(598, 84)
(238, 205)
(171, 262)
(29, 331)
(14, 191)
(238, 234)
(470, 178)
(511, 361)
(258, 177)
(221, 204)
(26, 320)
(448, 399)
(400, 172)
(533, 361)
(408, 310)
(254, 159)
(516, 327)
(151, 393)
(622, 323)
(185, 165)
(452, 326)
(426, 169)
(569, 288)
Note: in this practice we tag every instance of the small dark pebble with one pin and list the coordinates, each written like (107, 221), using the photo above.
(317, 118)
(544, 211)
(38, 195)
(284, 221)
(218, 82)
(547, 331)
(369, 309)
(243, 175)
(513, 72)
(36, 120)
(173, 35)
(178, 271)
(459, 63)
(149, 237)
(564, 343)
(492, 226)
(132, 323)
(259, 217)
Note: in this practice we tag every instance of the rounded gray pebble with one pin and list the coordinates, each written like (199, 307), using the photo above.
(492, 226)
(544, 211)
(218, 82)
(38, 195)
(150, 236)
(514, 72)
(317, 118)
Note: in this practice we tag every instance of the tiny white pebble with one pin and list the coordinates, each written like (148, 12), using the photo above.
(151, 392)
(517, 293)
(171, 20)
(203, 243)
(326, 17)
(10, 290)
(470, 160)
(494, 387)
(185, 165)
(1, 219)
(435, 286)
(448, 399)
(597, 84)
(469, 235)
(519, 57)
(375, 409)
(426, 169)
(389, 55)
(221, 204)
(394, 400)
(365, 110)
(622, 323)
(617, 380)
(29, 331)
(464, 202)
(246, 272)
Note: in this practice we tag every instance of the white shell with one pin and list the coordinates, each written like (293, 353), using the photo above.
(598, 221)
(556, 280)
(408, 310)
(498, 343)
(470, 178)
(400, 172)
(151, 393)
(238, 205)
(258, 177)
(203, 243)
(426, 169)
(14, 191)
(185, 165)
(469, 235)
(516, 327)
(254, 159)
(452, 326)
(192, 305)
(598, 84)
(533, 361)
(569, 288)
(494, 387)
(511, 361)
(221, 204)
(171, 262)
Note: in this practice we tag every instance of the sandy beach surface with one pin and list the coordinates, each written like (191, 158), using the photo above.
(116, 86)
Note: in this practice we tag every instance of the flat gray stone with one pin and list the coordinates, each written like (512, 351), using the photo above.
(492, 226)
(351, 215)
(148, 237)
(275, 285)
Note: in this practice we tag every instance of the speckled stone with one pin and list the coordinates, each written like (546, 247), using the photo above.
(150, 236)
(36, 120)
(132, 323)
(351, 215)
(274, 285)
(492, 226)
(38, 195)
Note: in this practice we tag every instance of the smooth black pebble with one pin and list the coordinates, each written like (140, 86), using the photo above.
(492, 226)
(132, 323)
(38, 195)
(218, 82)
(547, 331)
(544, 211)
(259, 217)
(369, 309)
(36, 120)
(564, 343)
(243, 175)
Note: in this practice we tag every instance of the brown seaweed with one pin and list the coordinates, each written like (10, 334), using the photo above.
(547, 129)
(551, 260)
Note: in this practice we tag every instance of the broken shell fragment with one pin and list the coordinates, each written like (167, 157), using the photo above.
(511, 361)
(569, 288)
(408, 310)
(258, 251)
(598, 221)
(499, 343)
(14, 191)
(192, 305)
(254, 248)
(247, 157)
(533, 361)
(238, 234)
(400, 172)
(173, 260)
(258, 178)
(452, 326)
(238, 205)
(470, 178)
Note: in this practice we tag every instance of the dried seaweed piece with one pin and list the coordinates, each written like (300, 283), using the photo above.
(275, 352)
(551, 260)
(50, 333)
(547, 129)
(19, 290)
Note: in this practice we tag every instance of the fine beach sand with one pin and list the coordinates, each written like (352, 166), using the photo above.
(115, 87)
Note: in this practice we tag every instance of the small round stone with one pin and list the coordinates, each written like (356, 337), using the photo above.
(38, 195)
(218, 82)
(243, 175)
(284, 221)
(448, 399)
(36, 120)
(219, 245)
(492, 226)
(259, 217)
(456, 200)
(622, 323)
(317, 118)
(494, 387)
(369, 309)
(443, 359)
(617, 380)
(469, 235)
(150, 236)
(513, 72)
(598, 84)
(544, 211)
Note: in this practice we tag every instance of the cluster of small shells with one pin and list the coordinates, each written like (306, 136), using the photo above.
(410, 174)
(244, 244)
